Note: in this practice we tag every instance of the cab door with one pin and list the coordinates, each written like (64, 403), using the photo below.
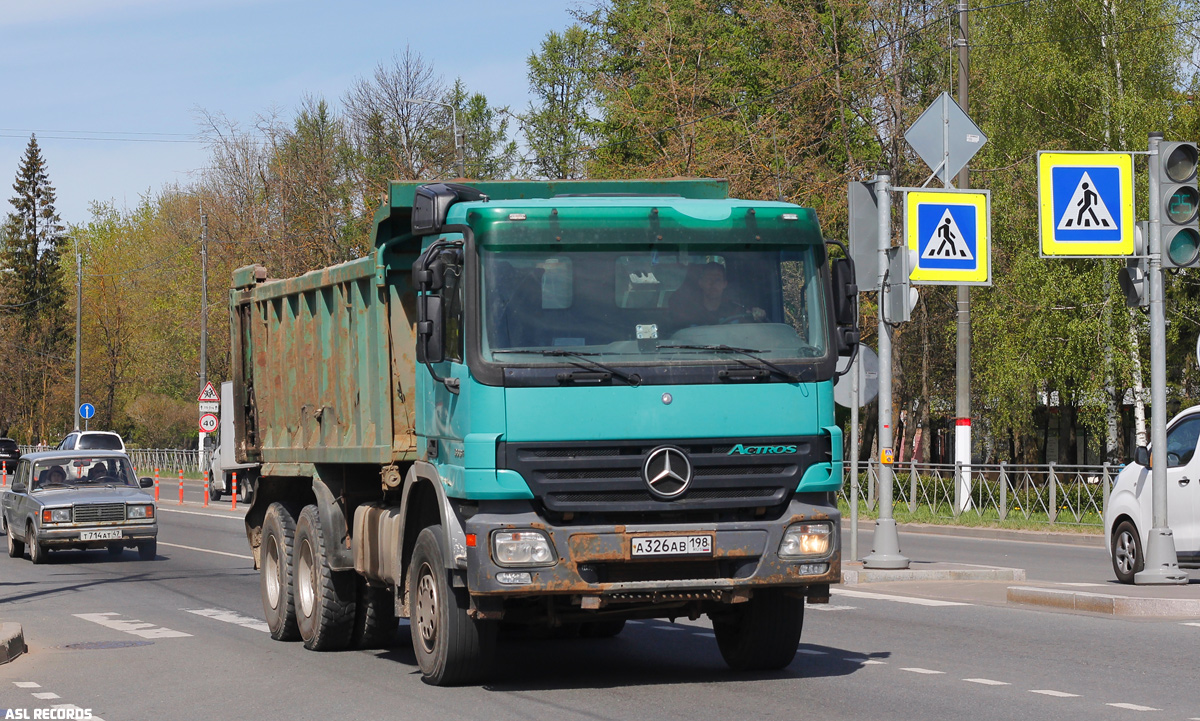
(15, 502)
(1183, 484)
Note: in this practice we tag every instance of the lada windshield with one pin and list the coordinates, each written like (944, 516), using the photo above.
(652, 303)
(82, 471)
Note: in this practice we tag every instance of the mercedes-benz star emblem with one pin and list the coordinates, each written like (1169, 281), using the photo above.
(667, 471)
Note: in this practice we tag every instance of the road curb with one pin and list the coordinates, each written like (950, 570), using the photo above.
(996, 534)
(853, 573)
(1104, 603)
(12, 641)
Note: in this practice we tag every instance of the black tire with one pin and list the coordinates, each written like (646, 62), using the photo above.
(602, 629)
(115, 550)
(1127, 557)
(451, 647)
(761, 634)
(37, 552)
(275, 572)
(244, 491)
(16, 548)
(324, 598)
(148, 550)
(214, 493)
(375, 619)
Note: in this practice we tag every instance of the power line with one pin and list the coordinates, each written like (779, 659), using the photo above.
(111, 140)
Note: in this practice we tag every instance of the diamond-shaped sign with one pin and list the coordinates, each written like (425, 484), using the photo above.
(945, 138)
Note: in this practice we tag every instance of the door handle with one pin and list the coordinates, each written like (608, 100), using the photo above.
(1184, 481)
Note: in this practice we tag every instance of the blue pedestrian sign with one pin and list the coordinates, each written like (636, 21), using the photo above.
(1085, 204)
(949, 234)
(86, 411)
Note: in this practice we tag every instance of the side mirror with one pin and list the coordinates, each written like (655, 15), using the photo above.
(431, 330)
(1141, 456)
(146, 482)
(18, 487)
(845, 305)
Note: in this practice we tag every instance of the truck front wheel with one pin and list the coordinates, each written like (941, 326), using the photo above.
(451, 647)
(761, 634)
(325, 599)
(279, 608)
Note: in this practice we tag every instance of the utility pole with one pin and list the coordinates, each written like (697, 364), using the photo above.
(78, 325)
(962, 374)
(203, 314)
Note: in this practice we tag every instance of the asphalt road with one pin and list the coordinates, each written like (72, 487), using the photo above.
(182, 638)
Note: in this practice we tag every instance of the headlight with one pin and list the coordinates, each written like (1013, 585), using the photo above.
(139, 511)
(806, 540)
(521, 548)
(56, 515)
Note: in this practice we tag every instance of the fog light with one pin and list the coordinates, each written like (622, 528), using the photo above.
(521, 548)
(511, 578)
(805, 540)
(56, 515)
(139, 511)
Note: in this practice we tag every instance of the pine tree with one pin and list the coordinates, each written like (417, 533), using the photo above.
(33, 247)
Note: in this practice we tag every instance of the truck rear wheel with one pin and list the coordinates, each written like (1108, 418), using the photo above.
(279, 608)
(451, 647)
(761, 634)
(324, 598)
(375, 619)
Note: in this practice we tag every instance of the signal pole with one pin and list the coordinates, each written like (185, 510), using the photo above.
(203, 314)
(78, 325)
(962, 373)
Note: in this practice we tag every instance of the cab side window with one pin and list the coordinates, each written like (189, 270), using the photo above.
(1181, 441)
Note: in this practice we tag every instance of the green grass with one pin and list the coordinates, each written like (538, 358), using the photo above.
(1090, 523)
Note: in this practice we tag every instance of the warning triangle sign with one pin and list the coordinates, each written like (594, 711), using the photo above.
(209, 393)
(947, 241)
(1086, 208)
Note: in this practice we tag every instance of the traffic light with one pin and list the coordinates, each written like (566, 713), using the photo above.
(1133, 278)
(1180, 202)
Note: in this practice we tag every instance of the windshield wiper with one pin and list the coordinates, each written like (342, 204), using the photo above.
(748, 352)
(584, 361)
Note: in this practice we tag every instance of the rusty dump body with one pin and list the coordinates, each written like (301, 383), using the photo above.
(330, 399)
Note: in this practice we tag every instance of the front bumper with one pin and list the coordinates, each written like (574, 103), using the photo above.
(596, 560)
(69, 536)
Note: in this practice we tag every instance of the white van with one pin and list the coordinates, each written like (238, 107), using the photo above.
(1129, 516)
(222, 464)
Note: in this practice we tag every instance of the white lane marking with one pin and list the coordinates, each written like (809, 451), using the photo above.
(707, 634)
(198, 513)
(987, 682)
(927, 671)
(206, 550)
(899, 599)
(230, 617)
(1190, 623)
(664, 627)
(135, 627)
(1082, 585)
(866, 661)
(1055, 694)
(73, 707)
(26, 684)
(828, 607)
(46, 695)
(812, 652)
(1133, 707)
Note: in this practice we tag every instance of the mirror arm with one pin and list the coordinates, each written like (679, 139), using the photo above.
(452, 384)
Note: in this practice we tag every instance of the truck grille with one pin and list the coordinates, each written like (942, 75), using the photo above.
(93, 512)
(606, 476)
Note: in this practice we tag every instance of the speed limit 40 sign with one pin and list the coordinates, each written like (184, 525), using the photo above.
(208, 423)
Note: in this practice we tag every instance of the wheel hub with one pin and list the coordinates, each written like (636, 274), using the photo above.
(306, 573)
(271, 568)
(427, 608)
(1126, 552)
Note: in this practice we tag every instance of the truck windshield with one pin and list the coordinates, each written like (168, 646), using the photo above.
(652, 304)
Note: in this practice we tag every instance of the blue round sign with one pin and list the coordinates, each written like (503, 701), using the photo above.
(87, 410)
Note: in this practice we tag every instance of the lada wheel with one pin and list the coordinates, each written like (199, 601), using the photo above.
(148, 550)
(602, 629)
(324, 597)
(275, 574)
(761, 634)
(37, 552)
(16, 548)
(115, 550)
(1127, 558)
(451, 647)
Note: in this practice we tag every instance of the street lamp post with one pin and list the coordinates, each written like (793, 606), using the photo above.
(458, 155)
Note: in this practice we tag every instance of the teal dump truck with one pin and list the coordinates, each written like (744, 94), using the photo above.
(555, 404)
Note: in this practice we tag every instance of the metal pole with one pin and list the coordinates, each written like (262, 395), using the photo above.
(962, 373)
(885, 552)
(203, 314)
(459, 150)
(855, 374)
(78, 325)
(1162, 564)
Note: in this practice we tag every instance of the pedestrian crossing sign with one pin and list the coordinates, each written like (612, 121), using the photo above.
(1085, 204)
(949, 232)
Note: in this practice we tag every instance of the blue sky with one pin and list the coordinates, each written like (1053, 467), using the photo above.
(91, 67)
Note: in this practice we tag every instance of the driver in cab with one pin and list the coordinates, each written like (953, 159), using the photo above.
(706, 303)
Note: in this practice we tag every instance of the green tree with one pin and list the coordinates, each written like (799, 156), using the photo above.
(488, 153)
(558, 126)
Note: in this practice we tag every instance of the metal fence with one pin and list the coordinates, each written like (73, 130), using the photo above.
(1048, 493)
(145, 460)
